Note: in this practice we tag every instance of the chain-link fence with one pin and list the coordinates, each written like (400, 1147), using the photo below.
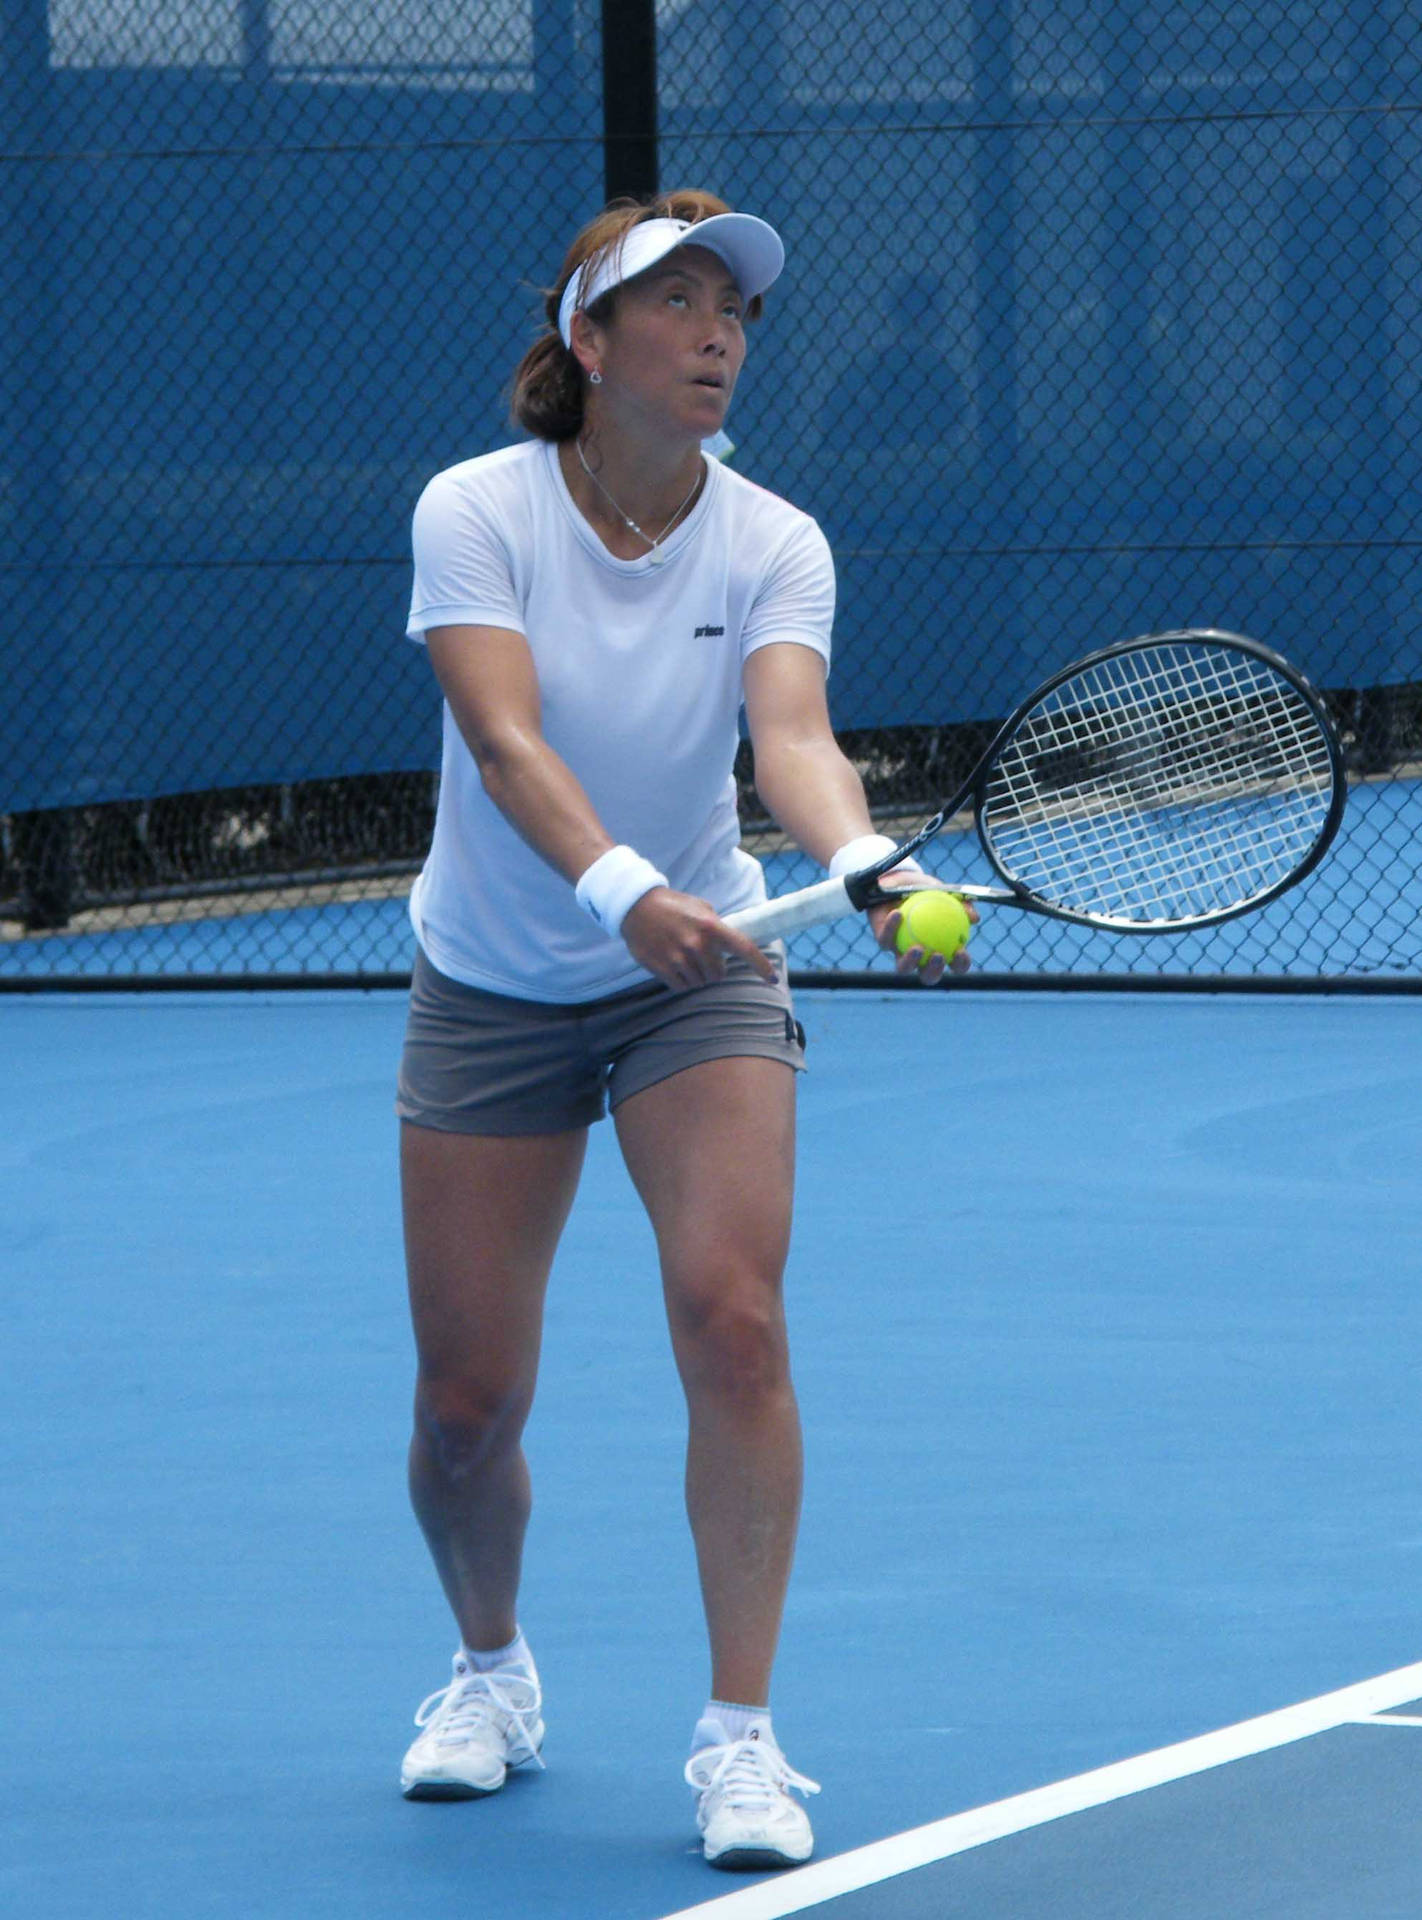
(1098, 318)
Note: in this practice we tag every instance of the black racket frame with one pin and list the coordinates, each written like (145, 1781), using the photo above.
(863, 886)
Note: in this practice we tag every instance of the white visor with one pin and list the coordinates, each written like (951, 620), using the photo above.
(749, 247)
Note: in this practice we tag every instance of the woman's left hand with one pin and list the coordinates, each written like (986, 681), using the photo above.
(886, 922)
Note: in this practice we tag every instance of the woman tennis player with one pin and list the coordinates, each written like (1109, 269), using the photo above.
(598, 605)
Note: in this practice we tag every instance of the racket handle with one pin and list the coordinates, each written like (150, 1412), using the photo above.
(810, 907)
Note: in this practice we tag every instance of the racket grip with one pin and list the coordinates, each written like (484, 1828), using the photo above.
(810, 907)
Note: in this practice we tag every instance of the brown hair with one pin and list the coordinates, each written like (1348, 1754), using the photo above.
(548, 385)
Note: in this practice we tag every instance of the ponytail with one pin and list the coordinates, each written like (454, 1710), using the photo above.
(548, 391)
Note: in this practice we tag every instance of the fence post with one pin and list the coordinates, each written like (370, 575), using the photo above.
(31, 419)
(256, 29)
(629, 98)
(995, 277)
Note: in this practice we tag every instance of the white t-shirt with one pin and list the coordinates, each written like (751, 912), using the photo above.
(639, 673)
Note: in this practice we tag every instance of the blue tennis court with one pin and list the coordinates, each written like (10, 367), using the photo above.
(1110, 1402)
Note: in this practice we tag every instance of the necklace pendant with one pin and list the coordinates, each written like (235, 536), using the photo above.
(656, 557)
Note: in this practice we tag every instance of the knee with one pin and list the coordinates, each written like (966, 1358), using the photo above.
(461, 1425)
(733, 1344)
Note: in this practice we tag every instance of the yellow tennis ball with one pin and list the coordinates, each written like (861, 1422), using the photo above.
(937, 922)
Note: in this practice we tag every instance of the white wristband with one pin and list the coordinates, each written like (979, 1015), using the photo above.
(613, 885)
(863, 852)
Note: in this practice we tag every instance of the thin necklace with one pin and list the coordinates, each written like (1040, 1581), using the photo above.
(656, 556)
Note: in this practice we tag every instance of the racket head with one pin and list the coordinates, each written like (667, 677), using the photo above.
(1163, 783)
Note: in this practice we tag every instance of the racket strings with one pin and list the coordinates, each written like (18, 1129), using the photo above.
(1171, 783)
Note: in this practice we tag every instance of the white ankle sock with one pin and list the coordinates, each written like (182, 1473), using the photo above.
(735, 1723)
(515, 1654)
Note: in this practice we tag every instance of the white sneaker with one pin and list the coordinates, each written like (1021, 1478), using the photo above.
(475, 1729)
(747, 1818)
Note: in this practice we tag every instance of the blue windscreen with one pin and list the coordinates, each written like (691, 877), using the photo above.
(1099, 318)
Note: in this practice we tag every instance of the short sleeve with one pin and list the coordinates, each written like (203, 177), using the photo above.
(795, 600)
(463, 572)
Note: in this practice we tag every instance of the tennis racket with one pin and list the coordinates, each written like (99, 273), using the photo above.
(1160, 784)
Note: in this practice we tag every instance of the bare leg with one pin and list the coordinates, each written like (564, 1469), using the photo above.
(711, 1151)
(482, 1220)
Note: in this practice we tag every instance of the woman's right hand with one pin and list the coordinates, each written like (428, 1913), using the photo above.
(684, 941)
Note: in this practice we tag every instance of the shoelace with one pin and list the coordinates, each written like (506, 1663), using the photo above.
(752, 1774)
(473, 1699)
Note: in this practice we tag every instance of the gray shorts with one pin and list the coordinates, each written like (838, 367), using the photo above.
(477, 1062)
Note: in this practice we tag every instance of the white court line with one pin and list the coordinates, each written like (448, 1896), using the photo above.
(806, 1887)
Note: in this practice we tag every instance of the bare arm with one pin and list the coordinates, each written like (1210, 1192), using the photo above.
(488, 676)
(800, 772)
(802, 775)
